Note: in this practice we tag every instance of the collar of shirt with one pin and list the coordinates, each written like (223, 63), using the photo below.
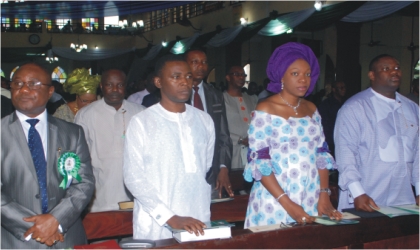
(172, 116)
(201, 94)
(112, 109)
(392, 103)
(41, 127)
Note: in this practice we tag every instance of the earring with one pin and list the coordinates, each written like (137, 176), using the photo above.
(282, 85)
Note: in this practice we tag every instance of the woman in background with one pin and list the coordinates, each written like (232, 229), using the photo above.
(85, 87)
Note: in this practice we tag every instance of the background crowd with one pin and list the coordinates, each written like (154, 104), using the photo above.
(172, 144)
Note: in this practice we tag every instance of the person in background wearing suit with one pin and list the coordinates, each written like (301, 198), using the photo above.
(47, 178)
(210, 100)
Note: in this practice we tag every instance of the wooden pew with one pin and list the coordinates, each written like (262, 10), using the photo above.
(379, 232)
(119, 223)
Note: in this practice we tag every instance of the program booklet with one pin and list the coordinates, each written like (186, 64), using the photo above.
(221, 200)
(219, 229)
(393, 211)
(325, 220)
(124, 205)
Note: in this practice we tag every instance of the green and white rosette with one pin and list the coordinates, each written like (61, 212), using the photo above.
(68, 167)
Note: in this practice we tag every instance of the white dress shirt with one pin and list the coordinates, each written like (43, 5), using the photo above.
(41, 127)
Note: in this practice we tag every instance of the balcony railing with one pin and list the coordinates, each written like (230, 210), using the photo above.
(156, 20)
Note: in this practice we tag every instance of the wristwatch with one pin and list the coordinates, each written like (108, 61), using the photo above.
(325, 190)
(240, 140)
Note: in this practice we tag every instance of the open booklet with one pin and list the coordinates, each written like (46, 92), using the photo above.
(221, 200)
(219, 229)
(393, 211)
(325, 220)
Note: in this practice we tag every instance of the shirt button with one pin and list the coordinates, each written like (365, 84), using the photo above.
(158, 217)
(37, 196)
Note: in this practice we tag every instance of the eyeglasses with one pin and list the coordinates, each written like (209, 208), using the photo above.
(238, 74)
(386, 68)
(31, 84)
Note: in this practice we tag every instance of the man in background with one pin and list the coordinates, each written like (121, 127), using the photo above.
(105, 124)
(145, 90)
(238, 110)
(210, 100)
(328, 110)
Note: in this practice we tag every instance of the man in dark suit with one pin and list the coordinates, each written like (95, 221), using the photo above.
(210, 100)
(39, 207)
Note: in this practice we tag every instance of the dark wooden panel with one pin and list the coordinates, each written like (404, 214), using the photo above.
(405, 242)
(108, 224)
(237, 180)
(232, 210)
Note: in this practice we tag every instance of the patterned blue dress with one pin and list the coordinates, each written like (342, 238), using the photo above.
(297, 150)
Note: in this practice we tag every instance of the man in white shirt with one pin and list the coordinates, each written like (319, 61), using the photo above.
(168, 151)
(105, 123)
(150, 88)
(376, 139)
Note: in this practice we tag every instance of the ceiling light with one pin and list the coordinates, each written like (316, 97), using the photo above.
(164, 43)
(318, 5)
(243, 20)
(77, 47)
(50, 57)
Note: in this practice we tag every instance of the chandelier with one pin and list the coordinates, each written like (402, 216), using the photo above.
(50, 57)
(77, 47)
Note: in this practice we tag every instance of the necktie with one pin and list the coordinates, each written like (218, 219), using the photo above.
(37, 152)
(197, 99)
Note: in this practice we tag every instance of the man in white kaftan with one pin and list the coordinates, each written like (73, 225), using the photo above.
(166, 158)
(105, 129)
(377, 137)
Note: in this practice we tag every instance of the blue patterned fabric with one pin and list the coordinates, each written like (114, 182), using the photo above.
(38, 156)
(297, 151)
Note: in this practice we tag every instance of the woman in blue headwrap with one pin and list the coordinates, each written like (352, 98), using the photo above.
(288, 157)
